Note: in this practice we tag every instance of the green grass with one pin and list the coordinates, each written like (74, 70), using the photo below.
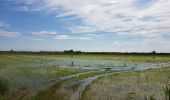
(150, 98)
(99, 56)
(167, 91)
(25, 71)
(28, 71)
(4, 86)
(54, 92)
(130, 86)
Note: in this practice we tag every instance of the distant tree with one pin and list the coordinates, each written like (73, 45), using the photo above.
(78, 51)
(153, 58)
(41, 52)
(11, 50)
(153, 52)
(69, 51)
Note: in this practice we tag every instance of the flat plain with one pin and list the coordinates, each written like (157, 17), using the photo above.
(85, 76)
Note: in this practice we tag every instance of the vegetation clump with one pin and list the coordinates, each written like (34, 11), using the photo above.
(167, 91)
(4, 86)
(150, 98)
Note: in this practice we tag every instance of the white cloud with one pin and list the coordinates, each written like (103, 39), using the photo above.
(4, 25)
(123, 17)
(44, 33)
(62, 36)
(121, 43)
(22, 8)
(108, 15)
(5, 33)
(38, 39)
(83, 29)
(143, 45)
(68, 37)
(9, 33)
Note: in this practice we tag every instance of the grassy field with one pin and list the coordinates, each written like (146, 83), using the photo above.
(130, 86)
(84, 76)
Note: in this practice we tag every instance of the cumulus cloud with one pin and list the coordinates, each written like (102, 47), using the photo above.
(9, 33)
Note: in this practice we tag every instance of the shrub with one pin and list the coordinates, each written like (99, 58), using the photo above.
(150, 98)
(3, 86)
(167, 91)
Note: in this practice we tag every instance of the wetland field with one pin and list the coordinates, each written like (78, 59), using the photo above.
(84, 76)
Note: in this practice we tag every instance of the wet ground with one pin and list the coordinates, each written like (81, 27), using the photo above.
(81, 84)
(44, 64)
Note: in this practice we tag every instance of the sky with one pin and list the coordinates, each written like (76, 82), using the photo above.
(86, 25)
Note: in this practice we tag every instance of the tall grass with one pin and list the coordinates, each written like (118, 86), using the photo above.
(167, 91)
(142, 83)
(150, 98)
(4, 86)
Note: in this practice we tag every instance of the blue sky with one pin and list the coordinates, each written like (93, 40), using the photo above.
(87, 25)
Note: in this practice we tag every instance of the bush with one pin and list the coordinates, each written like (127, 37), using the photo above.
(150, 98)
(3, 86)
(167, 91)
